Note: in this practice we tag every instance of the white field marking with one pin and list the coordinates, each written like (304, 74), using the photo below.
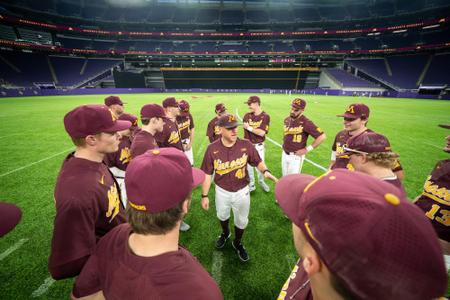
(433, 145)
(279, 145)
(12, 248)
(43, 288)
(290, 258)
(5, 136)
(36, 162)
(217, 262)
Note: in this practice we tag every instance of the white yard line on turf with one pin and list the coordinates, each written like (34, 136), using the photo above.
(36, 162)
(12, 248)
(217, 262)
(279, 145)
(43, 288)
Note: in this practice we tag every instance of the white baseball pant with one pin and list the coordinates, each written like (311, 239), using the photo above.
(238, 201)
(261, 151)
(291, 163)
(189, 153)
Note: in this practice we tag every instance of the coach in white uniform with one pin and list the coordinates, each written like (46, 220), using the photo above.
(297, 128)
(227, 157)
(256, 125)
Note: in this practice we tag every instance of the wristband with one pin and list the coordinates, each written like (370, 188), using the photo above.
(204, 196)
(250, 129)
(309, 148)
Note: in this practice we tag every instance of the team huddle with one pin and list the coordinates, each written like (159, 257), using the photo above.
(122, 195)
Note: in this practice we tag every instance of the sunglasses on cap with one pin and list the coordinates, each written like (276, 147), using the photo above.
(353, 151)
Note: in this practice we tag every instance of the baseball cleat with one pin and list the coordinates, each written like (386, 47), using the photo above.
(222, 240)
(264, 186)
(241, 252)
(184, 226)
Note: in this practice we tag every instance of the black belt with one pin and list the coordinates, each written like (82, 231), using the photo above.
(289, 153)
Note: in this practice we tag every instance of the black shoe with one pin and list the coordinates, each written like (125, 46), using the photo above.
(222, 240)
(241, 252)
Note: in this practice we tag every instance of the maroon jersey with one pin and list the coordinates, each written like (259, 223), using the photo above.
(142, 142)
(88, 205)
(435, 199)
(114, 269)
(260, 121)
(121, 157)
(185, 125)
(296, 132)
(297, 285)
(230, 163)
(396, 182)
(170, 136)
(213, 131)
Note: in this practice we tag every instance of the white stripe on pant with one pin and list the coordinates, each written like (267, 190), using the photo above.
(238, 201)
(291, 163)
(261, 151)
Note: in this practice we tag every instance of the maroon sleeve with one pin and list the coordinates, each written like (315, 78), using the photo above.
(333, 147)
(88, 282)
(160, 137)
(210, 131)
(265, 125)
(110, 159)
(73, 236)
(208, 164)
(312, 129)
(253, 156)
(191, 125)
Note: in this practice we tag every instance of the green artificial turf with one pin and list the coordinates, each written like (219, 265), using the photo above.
(33, 143)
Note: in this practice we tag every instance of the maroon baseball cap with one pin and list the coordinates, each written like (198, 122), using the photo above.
(298, 103)
(220, 107)
(447, 126)
(170, 102)
(253, 99)
(92, 119)
(228, 121)
(356, 110)
(149, 111)
(367, 233)
(113, 100)
(367, 142)
(129, 117)
(10, 216)
(184, 107)
(160, 179)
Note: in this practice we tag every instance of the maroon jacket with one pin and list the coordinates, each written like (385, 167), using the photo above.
(142, 142)
(88, 205)
(261, 121)
(213, 131)
(114, 269)
(435, 199)
(230, 163)
(185, 125)
(121, 157)
(296, 132)
(170, 136)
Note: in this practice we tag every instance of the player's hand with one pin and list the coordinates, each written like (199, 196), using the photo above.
(246, 125)
(205, 203)
(269, 175)
(301, 152)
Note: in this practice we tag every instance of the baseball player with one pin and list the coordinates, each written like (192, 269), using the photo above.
(118, 161)
(371, 153)
(170, 136)
(297, 128)
(142, 259)
(213, 131)
(435, 200)
(152, 116)
(228, 157)
(256, 126)
(87, 198)
(115, 105)
(187, 129)
(355, 118)
(356, 235)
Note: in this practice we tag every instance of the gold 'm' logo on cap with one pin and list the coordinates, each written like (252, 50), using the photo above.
(351, 109)
(231, 118)
(298, 101)
(113, 116)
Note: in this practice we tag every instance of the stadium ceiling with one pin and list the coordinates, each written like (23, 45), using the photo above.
(246, 2)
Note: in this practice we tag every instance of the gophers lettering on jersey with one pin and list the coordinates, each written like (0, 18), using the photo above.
(222, 168)
(296, 132)
(185, 125)
(260, 121)
(170, 136)
(433, 191)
